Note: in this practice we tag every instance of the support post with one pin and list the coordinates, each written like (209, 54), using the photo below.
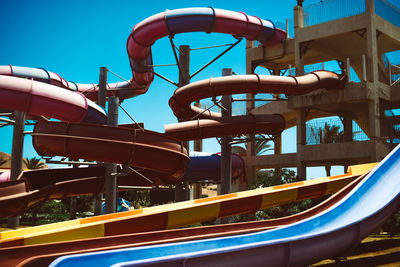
(364, 69)
(197, 146)
(348, 69)
(102, 95)
(101, 101)
(298, 53)
(111, 168)
(372, 44)
(348, 128)
(181, 188)
(301, 141)
(17, 155)
(226, 151)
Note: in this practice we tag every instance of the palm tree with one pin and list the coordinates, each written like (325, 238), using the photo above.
(331, 134)
(34, 163)
(261, 145)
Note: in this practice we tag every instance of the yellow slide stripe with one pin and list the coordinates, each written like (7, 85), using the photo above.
(179, 214)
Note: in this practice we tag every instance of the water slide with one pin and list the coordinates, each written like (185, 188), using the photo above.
(331, 232)
(72, 138)
(180, 214)
(162, 155)
(44, 254)
(34, 186)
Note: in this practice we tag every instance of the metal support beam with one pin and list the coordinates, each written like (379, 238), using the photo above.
(101, 98)
(111, 180)
(197, 146)
(182, 189)
(101, 101)
(17, 155)
(226, 151)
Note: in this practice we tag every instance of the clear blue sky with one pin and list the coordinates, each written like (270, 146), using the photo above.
(75, 38)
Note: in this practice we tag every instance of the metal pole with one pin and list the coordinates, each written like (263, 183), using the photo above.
(197, 146)
(101, 101)
(290, 69)
(16, 155)
(390, 73)
(102, 95)
(364, 68)
(226, 151)
(181, 189)
(111, 168)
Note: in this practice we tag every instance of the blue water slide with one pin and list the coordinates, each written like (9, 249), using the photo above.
(334, 231)
(207, 167)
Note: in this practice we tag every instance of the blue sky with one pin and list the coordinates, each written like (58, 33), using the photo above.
(75, 38)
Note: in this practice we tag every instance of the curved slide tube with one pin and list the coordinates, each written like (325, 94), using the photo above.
(179, 214)
(121, 89)
(171, 22)
(249, 84)
(208, 168)
(147, 32)
(138, 148)
(44, 254)
(36, 186)
(332, 232)
(40, 99)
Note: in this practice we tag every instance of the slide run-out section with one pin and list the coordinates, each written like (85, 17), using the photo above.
(331, 232)
(44, 254)
(179, 214)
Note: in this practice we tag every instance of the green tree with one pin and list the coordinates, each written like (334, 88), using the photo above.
(262, 145)
(34, 163)
(271, 178)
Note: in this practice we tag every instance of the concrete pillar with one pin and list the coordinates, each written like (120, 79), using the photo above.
(226, 151)
(298, 53)
(374, 119)
(347, 129)
(372, 51)
(301, 141)
(298, 58)
(181, 188)
(298, 15)
(17, 155)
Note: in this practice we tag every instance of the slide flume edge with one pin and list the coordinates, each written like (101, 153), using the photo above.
(331, 232)
(44, 254)
(179, 214)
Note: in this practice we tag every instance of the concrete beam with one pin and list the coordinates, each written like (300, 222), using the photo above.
(360, 151)
(335, 27)
(387, 28)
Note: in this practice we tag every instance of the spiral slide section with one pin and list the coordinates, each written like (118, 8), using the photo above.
(331, 232)
(147, 32)
(44, 254)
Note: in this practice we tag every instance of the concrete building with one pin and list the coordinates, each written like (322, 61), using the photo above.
(356, 35)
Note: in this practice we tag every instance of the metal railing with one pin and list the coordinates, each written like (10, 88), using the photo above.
(388, 11)
(330, 130)
(332, 10)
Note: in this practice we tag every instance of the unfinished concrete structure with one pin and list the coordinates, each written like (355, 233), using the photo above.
(357, 34)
